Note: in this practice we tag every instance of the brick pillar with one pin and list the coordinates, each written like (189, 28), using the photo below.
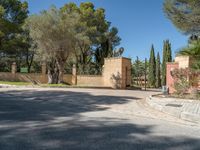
(14, 68)
(44, 68)
(169, 79)
(74, 75)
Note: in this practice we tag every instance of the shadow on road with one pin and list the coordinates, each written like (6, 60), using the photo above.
(45, 105)
(51, 120)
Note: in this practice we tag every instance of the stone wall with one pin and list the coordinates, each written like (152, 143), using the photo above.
(112, 72)
(7, 76)
(126, 72)
(90, 80)
(28, 77)
(116, 74)
(67, 78)
(183, 61)
(23, 77)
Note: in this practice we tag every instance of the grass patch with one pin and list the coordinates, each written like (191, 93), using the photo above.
(176, 96)
(70, 86)
(15, 83)
(54, 85)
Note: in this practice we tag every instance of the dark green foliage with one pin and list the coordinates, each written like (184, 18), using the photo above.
(13, 39)
(158, 72)
(55, 34)
(184, 14)
(138, 71)
(105, 49)
(193, 50)
(167, 57)
(95, 37)
(152, 69)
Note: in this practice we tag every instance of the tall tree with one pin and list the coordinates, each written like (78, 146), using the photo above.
(167, 57)
(158, 72)
(95, 37)
(184, 14)
(12, 37)
(138, 71)
(193, 50)
(152, 68)
(91, 28)
(169, 51)
(1, 24)
(164, 64)
(54, 32)
(106, 47)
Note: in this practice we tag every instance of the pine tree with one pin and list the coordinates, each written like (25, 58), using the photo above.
(152, 69)
(158, 78)
(184, 14)
(167, 57)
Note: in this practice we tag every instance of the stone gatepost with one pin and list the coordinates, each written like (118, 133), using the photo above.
(74, 75)
(44, 68)
(14, 68)
(117, 72)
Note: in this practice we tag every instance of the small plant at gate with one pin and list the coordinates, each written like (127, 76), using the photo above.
(181, 84)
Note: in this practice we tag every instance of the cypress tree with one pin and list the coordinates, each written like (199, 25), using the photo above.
(169, 51)
(158, 79)
(167, 57)
(137, 63)
(152, 69)
(164, 64)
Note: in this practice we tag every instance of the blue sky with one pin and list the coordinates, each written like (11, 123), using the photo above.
(140, 23)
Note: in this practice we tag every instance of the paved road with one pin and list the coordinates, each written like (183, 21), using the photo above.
(88, 119)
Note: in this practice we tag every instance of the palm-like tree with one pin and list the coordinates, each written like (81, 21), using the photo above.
(193, 50)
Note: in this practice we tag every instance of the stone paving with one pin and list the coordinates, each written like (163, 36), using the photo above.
(184, 109)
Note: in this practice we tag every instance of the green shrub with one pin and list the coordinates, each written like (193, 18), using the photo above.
(181, 84)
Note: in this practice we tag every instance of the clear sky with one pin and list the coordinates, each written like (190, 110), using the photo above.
(140, 23)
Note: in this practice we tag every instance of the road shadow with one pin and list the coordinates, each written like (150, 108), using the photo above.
(74, 134)
(44, 105)
(52, 120)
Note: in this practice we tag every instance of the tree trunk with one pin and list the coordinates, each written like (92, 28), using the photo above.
(53, 77)
(29, 63)
(53, 73)
(61, 71)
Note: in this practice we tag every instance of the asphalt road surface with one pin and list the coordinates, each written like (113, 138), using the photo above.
(89, 119)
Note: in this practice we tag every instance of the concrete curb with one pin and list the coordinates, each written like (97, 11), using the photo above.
(6, 86)
(173, 111)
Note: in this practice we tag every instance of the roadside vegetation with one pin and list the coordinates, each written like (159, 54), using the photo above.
(59, 37)
(185, 15)
(15, 83)
(81, 35)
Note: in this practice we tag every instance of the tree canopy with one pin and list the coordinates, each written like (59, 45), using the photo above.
(158, 72)
(167, 57)
(193, 50)
(54, 32)
(152, 68)
(73, 34)
(13, 39)
(184, 14)
(95, 38)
